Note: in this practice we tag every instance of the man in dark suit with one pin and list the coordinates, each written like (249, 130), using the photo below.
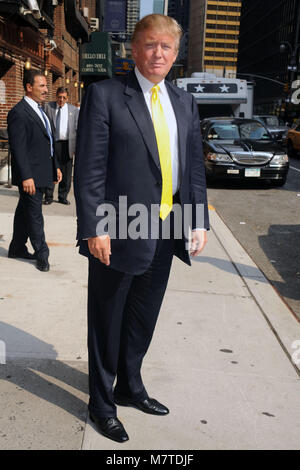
(33, 168)
(63, 117)
(138, 148)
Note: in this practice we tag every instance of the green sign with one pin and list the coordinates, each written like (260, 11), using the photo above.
(96, 55)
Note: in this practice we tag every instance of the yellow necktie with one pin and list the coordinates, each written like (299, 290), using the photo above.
(164, 151)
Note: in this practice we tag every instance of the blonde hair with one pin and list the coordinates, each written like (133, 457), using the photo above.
(158, 22)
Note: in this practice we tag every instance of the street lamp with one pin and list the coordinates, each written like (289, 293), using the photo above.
(293, 66)
(28, 64)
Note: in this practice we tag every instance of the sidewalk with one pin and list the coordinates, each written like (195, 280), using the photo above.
(220, 358)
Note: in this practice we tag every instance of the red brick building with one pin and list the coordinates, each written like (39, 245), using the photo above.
(47, 39)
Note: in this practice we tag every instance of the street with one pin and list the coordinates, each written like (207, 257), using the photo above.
(266, 222)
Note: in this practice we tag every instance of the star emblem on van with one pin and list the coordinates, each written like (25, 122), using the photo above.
(224, 88)
(199, 88)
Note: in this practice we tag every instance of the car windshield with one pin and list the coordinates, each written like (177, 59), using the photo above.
(233, 131)
(271, 121)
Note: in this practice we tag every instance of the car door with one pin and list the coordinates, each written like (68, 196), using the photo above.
(294, 136)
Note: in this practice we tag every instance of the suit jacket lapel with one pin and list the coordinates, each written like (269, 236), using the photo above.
(138, 108)
(71, 119)
(136, 103)
(53, 113)
(182, 123)
(34, 115)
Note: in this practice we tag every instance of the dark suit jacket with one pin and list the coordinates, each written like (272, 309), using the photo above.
(30, 147)
(73, 112)
(116, 154)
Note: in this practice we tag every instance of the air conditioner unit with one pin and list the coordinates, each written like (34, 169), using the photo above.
(34, 9)
(85, 12)
(94, 23)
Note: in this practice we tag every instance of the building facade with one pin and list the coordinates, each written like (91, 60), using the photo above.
(264, 27)
(180, 11)
(158, 6)
(133, 15)
(47, 39)
(214, 36)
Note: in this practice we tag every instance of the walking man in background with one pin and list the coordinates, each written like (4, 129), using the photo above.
(63, 117)
(33, 168)
(138, 137)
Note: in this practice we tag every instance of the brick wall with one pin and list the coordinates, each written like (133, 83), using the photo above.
(62, 64)
(11, 75)
(16, 44)
(69, 48)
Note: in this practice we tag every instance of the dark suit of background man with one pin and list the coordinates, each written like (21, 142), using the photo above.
(63, 117)
(33, 168)
(122, 151)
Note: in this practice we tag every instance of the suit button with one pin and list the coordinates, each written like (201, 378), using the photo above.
(158, 184)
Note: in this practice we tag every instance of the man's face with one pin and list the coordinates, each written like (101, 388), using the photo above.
(38, 91)
(154, 54)
(61, 99)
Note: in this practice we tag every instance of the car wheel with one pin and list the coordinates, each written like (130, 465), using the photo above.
(290, 149)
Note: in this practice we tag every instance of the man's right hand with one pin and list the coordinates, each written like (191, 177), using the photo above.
(100, 248)
(29, 186)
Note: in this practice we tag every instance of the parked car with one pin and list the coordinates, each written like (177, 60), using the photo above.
(293, 141)
(277, 128)
(237, 148)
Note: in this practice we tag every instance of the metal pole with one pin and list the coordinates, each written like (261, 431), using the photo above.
(296, 41)
(79, 71)
(261, 76)
(8, 185)
(166, 5)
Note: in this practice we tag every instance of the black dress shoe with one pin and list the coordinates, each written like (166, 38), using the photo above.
(111, 428)
(64, 201)
(47, 201)
(21, 254)
(147, 405)
(42, 265)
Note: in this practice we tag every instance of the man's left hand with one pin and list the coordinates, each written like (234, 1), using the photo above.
(59, 176)
(199, 239)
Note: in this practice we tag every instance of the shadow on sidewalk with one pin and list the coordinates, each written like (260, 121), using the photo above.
(282, 243)
(231, 267)
(46, 377)
(4, 254)
(9, 192)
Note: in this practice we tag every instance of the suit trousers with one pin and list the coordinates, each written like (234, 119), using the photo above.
(122, 314)
(29, 223)
(65, 164)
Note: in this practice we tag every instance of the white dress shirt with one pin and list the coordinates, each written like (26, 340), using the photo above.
(63, 128)
(146, 86)
(164, 98)
(34, 106)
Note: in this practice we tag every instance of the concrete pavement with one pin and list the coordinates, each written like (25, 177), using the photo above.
(222, 357)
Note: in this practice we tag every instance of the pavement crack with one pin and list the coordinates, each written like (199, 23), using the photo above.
(223, 294)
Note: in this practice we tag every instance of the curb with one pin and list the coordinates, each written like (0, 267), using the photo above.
(280, 318)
